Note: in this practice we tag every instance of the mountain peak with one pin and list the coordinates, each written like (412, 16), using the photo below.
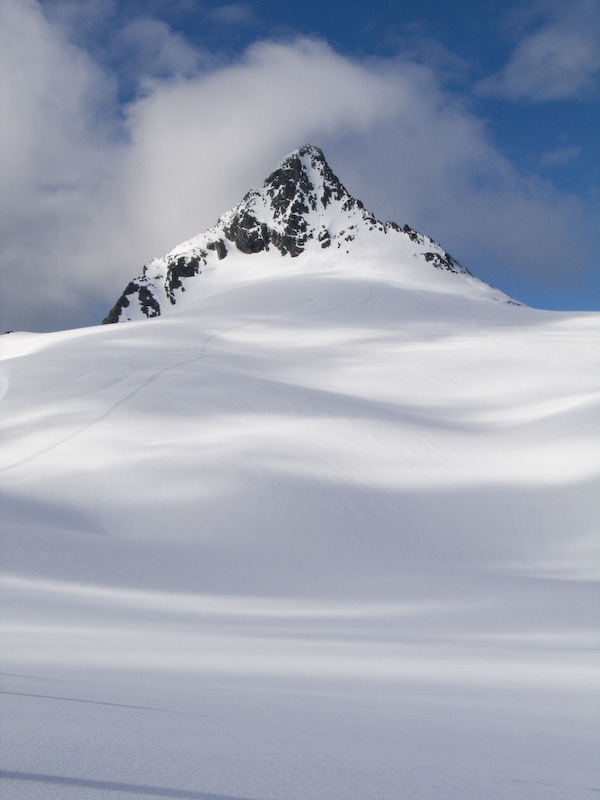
(304, 175)
(300, 164)
(288, 211)
(302, 208)
(298, 178)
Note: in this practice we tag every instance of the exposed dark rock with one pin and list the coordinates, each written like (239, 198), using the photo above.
(294, 245)
(219, 247)
(251, 236)
(182, 268)
(325, 238)
(352, 202)
(444, 261)
(413, 235)
(148, 303)
(121, 304)
(245, 232)
(286, 183)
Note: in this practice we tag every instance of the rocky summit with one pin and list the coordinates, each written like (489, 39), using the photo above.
(301, 210)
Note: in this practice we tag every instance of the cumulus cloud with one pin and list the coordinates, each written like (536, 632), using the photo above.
(559, 60)
(93, 191)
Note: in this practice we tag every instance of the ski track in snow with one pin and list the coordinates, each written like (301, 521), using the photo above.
(92, 702)
(83, 784)
(145, 383)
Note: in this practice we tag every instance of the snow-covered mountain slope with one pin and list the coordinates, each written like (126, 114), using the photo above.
(302, 212)
(327, 530)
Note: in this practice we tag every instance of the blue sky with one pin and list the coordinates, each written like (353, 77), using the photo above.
(130, 126)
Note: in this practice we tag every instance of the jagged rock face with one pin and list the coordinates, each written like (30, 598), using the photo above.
(301, 206)
(294, 196)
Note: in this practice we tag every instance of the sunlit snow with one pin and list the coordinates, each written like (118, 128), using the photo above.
(327, 530)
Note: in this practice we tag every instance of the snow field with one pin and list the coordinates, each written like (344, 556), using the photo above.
(321, 535)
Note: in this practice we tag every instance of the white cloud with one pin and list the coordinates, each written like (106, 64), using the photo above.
(58, 168)
(199, 145)
(88, 199)
(560, 156)
(559, 60)
(80, 18)
(233, 14)
(146, 48)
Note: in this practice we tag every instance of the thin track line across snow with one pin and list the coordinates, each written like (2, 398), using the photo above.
(151, 378)
(112, 786)
(146, 382)
(95, 702)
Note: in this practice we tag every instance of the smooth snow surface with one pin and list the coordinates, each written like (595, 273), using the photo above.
(328, 532)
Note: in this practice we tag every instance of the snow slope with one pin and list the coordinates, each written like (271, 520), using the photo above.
(327, 529)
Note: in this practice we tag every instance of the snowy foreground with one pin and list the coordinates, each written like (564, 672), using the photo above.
(322, 534)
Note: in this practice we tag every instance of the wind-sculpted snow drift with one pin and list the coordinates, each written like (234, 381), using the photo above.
(324, 527)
